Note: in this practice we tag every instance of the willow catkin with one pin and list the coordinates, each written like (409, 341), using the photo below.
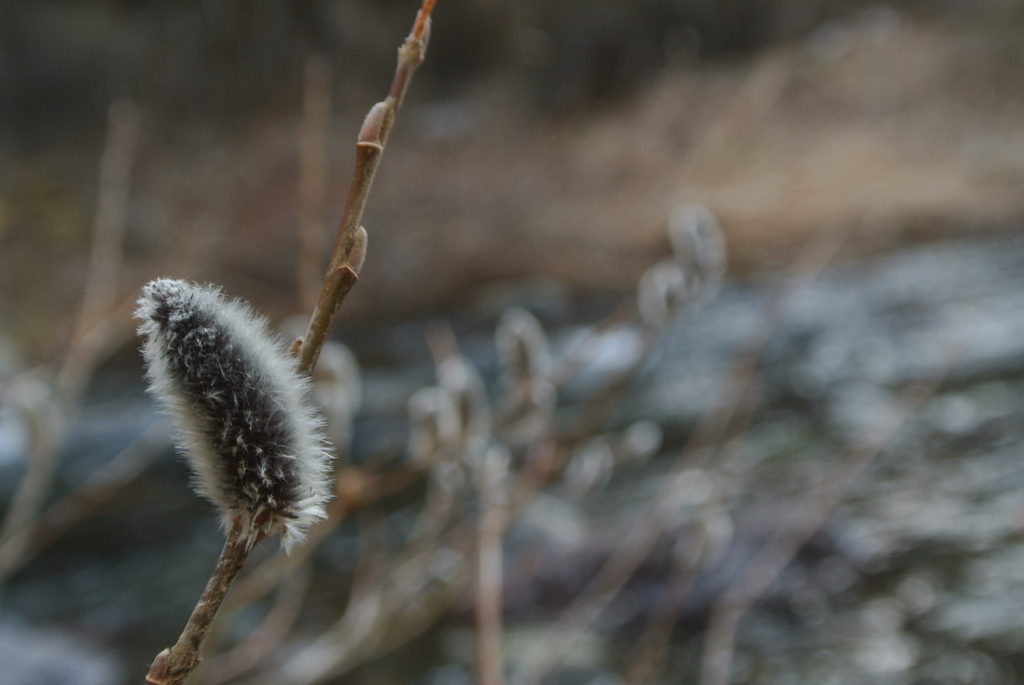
(252, 441)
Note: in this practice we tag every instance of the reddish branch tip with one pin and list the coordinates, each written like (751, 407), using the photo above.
(422, 17)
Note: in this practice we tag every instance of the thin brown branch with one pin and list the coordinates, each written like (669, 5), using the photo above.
(355, 489)
(343, 271)
(173, 665)
(255, 649)
(412, 52)
(369, 148)
(336, 286)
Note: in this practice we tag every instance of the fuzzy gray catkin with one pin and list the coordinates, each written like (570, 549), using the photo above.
(253, 442)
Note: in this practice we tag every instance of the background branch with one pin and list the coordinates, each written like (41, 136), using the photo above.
(810, 515)
(316, 114)
(173, 665)
(489, 605)
(91, 334)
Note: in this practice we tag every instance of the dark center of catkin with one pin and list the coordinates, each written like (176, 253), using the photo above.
(244, 423)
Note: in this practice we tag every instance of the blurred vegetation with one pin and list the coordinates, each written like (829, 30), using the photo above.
(561, 128)
(543, 144)
(218, 61)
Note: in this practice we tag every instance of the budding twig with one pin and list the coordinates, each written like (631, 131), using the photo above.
(343, 271)
(255, 504)
(172, 666)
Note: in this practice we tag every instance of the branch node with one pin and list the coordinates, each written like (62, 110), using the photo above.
(370, 145)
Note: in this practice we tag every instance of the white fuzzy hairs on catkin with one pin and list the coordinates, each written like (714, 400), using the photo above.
(251, 438)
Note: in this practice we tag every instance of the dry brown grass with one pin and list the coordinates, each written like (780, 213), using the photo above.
(899, 130)
(913, 130)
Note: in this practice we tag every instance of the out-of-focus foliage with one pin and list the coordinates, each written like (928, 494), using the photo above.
(224, 60)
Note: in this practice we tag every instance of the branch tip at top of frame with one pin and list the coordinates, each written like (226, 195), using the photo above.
(423, 18)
